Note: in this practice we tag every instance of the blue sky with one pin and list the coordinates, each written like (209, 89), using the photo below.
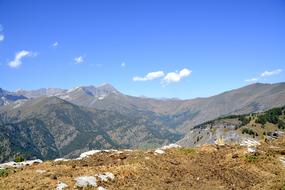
(155, 48)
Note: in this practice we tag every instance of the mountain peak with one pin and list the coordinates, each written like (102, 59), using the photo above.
(107, 87)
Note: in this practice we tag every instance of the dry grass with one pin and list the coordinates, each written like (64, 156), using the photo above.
(207, 167)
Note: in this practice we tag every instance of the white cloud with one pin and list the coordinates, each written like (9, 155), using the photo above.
(1, 37)
(176, 76)
(19, 56)
(78, 60)
(150, 76)
(55, 44)
(123, 64)
(265, 74)
(252, 80)
(270, 73)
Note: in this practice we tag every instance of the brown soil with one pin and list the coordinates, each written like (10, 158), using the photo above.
(206, 167)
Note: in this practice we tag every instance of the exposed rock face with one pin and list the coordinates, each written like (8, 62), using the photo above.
(245, 130)
(9, 97)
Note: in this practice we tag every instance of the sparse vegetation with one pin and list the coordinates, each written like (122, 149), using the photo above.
(281, 124)
(19, 158)
(3, 172)
(175, 169)
(249, 131)
(270, 116)
(251, 158)
(187, 151)
(244, 120)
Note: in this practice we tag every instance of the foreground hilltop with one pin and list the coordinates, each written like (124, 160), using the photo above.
(206, 167)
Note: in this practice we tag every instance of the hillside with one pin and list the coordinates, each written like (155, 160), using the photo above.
(235, 128)
(206, 167)
(49, 127)
(53, 122)
(180, 115)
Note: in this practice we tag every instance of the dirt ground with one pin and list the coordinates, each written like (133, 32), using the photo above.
(206, 167)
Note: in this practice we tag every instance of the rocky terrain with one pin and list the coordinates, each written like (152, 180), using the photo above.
(172, 167)
(234, 129)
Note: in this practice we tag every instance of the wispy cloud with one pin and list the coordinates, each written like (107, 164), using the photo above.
(123, 64)
(176, 76)
(251, 80)
(270, 73)
(55, 44)
(2, 37)
(150, 76)
(264, 75)
(78, 60)
(19, 56)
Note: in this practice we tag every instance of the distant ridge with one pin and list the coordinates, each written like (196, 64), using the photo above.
(56, 122)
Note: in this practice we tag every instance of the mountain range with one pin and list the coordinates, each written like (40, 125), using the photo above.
(52, 122)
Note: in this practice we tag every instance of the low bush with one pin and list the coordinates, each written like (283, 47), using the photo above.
(19, 159)
(187, 151)
(3, 172)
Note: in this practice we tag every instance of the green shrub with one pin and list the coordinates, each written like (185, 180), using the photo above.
(3, 172)
(248, 131)
(19, 159)
(261, 119)
(251, 158)
(281, 124)
(187, 151)
(271, 116)
(244, 120)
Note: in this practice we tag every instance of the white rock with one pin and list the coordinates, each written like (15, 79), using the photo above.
(249, 143)
(106, 176)
(89, 153)
(61, 186)
(101, 188)
(61, 159)
(92, 152)
(40, 171)
(159, 151)
(251, 149)
(111, 150)
(31, 162)
(170, 146)
(8, 165)
(101, 97)
(128, 150)
(84, 181)
(20, 164)
(282, 160)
